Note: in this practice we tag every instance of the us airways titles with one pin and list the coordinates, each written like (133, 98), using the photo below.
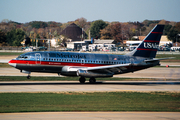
(151, 45)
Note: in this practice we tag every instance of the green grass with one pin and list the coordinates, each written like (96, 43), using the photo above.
(33, 78)
(11, 53)
(5, 65)
(106, 101)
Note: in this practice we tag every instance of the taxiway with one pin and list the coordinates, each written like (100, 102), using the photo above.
(75, 86)
(91, 116)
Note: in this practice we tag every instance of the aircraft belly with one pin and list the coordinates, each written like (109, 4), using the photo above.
(69, 73)
(39, 68)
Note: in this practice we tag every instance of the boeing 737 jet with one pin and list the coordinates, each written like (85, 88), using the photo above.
(90, 65)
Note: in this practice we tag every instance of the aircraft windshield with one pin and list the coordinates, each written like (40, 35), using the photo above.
(23, 57)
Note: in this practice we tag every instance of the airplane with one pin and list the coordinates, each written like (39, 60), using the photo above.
(90, 65)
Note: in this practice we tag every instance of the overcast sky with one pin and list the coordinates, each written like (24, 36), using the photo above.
(108, 10)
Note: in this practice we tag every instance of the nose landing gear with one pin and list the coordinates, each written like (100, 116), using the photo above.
(27, 72)
(28, 77)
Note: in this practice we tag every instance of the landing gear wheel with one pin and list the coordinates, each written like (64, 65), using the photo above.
(82, 80)
(92, 80)
(28, 77)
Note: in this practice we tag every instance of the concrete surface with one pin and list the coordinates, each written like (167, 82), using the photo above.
(91, 116)
(75, 86)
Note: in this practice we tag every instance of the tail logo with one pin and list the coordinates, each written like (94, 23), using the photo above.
(150, 45)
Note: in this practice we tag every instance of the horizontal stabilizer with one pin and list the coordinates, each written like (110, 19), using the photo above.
(157, 59)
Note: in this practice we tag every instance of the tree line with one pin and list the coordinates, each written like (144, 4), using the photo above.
(13, 33)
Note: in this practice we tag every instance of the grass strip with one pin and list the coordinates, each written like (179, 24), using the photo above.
(5, 65)
(11, 53)
(105, 101)
(33, 78)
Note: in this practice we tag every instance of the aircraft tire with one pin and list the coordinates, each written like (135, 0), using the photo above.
(28, 77)
(92, 80)
(82, 80)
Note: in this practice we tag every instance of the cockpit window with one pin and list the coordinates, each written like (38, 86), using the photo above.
(23, 57)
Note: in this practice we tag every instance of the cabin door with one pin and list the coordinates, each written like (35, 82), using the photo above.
(82, 61)
(132, 63)
(38, 58)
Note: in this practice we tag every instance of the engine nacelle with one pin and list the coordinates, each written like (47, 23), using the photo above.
(68, 71)
(85, 73)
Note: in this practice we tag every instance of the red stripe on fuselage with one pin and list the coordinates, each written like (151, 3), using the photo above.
(55, 63)
(147, 49)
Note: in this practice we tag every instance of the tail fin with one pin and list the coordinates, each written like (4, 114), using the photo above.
(148, 47)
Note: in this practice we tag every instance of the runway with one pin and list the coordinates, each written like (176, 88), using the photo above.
(75, 86)
(91, 116)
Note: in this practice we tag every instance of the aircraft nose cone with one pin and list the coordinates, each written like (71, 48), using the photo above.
(12, 63)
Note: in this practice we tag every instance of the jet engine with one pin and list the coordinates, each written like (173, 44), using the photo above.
(85, 73)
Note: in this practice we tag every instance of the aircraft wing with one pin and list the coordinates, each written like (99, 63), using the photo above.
(100, 71)
(99, 67)
(107, 66)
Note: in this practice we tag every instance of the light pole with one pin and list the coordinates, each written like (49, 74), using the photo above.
(36, 44)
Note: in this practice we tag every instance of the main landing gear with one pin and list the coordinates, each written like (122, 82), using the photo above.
(82, 80)
(91, 80)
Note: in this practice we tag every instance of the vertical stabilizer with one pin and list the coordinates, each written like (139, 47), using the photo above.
(149, 46)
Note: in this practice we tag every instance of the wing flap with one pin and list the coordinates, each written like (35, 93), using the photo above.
(98, 68)
(108, 66)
